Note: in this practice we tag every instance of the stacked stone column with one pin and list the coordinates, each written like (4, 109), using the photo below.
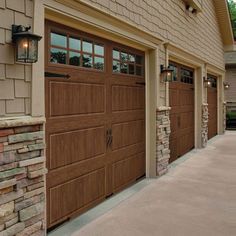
(204, 124)
(22, 184)
(163, 135)
(224, 116)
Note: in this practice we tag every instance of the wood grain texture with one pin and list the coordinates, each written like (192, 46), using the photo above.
(181, 117)
(85, 164)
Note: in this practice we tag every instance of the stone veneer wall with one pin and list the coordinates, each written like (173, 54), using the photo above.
(163, 135)
(224, 115)
(22, 171)
(204, 124)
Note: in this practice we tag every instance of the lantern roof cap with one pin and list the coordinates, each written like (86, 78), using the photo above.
(19, 31)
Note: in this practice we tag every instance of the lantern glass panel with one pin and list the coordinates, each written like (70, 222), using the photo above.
(27, 50)
(33, 50)
(169, 76)
(22, 49)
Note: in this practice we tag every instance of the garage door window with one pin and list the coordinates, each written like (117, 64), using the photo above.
(76, 51)
(186, 76)
(213, 80)
(127, 63)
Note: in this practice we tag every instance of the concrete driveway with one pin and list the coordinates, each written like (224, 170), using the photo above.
(197, 197)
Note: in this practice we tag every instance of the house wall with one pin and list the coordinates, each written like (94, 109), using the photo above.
(230, 94)
(197, 34)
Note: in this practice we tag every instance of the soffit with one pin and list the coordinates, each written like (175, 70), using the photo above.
(223, 16)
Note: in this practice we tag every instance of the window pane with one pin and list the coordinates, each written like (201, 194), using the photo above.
(138, 70)
(58, 40)
(131, 69)
(175, 73)
(87, 61)
(116, 54)
(132, 58)
(139, 59)
(75, 44)
(99, 63)
(116, 66)
(99, 49)
(124, 68)
(124, 56)
(74, 58)
(58, 56)
(87, 46)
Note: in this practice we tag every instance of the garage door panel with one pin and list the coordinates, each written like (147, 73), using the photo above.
(76, 98)
(186, 98)
(124, 153)
(126, 171)
(72, 171)
(63, 203)
(186, 119)
(129, 133)
(173, 149)
(71, 123)
(127, 116)
(182, 111)
(173, 123)
(75, 146)
(127, 98)
(174, 97)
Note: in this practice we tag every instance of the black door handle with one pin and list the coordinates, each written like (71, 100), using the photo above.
(109, 137)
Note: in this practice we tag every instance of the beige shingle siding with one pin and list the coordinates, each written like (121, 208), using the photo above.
(197, 34)
(15, 79)
(230, 94)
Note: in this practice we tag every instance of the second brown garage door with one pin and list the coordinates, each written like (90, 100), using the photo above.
(182, 111)
(212, 107)
(95, 128)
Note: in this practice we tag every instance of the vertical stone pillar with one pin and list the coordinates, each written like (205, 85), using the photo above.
(224, 116)
(204, 124)
(163, 136)
(22, 177)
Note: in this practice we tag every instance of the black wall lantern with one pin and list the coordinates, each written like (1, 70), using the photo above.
(226, 85)
(207, 82)
(26, 44)
(166, 74)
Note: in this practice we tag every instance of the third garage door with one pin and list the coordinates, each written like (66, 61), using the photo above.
(95, 127)
(182, 111)
(212, 107)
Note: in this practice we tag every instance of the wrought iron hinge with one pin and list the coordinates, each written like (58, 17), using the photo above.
(56, 75)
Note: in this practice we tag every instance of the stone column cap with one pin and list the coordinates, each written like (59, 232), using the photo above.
(164, 108)
(21, 121)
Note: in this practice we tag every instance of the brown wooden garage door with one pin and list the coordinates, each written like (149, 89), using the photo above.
(212, 107)
(182, 111)
(95, 129)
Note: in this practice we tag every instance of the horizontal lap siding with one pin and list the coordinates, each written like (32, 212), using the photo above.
(230, 94)
(197, 34)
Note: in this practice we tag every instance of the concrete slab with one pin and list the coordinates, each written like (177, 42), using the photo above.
(197, 197)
